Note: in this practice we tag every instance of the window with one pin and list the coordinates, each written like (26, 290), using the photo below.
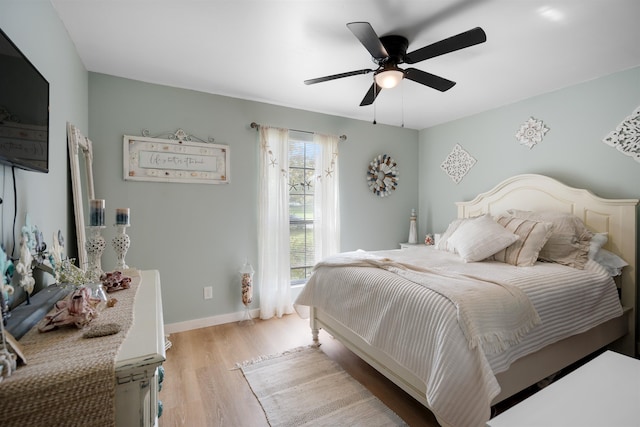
(303, 153)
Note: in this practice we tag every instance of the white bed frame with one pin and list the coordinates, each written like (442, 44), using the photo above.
(532, 192)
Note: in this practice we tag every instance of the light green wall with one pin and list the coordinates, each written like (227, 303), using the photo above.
(572, 151)
(36, 29)
(578, 118)
(199, 235)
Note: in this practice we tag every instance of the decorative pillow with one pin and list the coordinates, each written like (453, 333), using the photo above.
(443, 244)
(532, 235)
(480, 238)
(569, 240)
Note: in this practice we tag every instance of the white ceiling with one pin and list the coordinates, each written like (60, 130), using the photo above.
(263, 50)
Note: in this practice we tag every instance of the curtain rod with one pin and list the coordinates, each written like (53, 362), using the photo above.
(256, 126)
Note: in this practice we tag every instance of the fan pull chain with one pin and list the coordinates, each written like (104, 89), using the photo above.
(402, 95)
(375, 88)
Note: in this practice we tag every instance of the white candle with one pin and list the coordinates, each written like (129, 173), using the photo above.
(122, 216)
(96, 212)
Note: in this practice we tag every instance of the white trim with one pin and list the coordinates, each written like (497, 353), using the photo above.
(172, 328)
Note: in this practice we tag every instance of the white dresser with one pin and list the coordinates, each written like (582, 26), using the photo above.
(140, 358)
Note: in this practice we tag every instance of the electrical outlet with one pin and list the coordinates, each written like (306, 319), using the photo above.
(208, 292)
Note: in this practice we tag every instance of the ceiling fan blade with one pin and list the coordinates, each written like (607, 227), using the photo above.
(337, 76)
(371, 95)
(369, 39)
(428, 79)
(468, 38)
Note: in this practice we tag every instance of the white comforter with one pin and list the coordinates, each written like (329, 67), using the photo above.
(420, 328)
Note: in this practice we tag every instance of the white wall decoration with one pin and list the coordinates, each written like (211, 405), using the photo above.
(457, 163)
(626, 137)
(531, 132)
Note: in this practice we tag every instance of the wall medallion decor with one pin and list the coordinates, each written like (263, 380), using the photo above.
(382, 175)
(531, 132)
(175, 158)
(458, 163)
(626, 137)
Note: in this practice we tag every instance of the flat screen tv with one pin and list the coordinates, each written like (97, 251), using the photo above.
(24, 110)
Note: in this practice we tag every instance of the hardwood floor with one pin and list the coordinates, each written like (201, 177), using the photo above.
(201, 388)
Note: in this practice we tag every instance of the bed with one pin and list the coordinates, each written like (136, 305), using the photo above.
(452, 367)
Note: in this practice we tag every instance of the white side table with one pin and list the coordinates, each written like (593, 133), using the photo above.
(603, 392)
(410, 245)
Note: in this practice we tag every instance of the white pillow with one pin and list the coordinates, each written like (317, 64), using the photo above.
(597, 242)
(480, 238)
(610, 261)
(443, 242)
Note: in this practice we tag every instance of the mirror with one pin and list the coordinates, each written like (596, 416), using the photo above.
(80, 153)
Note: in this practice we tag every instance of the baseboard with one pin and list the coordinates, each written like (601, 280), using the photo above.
(171, 328)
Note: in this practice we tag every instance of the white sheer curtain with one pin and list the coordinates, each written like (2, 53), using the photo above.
(273, 224)
(326, 224)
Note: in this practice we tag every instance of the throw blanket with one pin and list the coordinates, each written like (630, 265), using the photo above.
(492, 315)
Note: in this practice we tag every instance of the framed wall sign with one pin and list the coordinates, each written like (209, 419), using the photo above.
(178, 159)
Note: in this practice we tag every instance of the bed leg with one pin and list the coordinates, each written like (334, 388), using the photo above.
(315, 330)
(314, 334)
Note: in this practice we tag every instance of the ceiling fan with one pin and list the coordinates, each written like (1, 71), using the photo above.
(389, 51)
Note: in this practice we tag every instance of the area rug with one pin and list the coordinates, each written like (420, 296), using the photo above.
(304, 387)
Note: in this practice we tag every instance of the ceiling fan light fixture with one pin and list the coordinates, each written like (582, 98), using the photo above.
(389, 77)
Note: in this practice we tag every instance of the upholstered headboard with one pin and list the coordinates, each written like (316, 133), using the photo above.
(617, 217)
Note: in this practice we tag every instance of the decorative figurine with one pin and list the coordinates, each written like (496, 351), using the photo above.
(115, 281)
(6, 271)
(78, 309)
(413, 229)
(24, 267)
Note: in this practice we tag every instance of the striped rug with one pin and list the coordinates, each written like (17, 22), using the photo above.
(304, 387)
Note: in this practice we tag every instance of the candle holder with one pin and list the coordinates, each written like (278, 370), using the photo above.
(95, 246)
(121, 243)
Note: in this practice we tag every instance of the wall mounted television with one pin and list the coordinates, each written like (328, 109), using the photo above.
(24, 110)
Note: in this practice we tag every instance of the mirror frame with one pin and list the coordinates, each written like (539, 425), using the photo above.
(80, 145)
